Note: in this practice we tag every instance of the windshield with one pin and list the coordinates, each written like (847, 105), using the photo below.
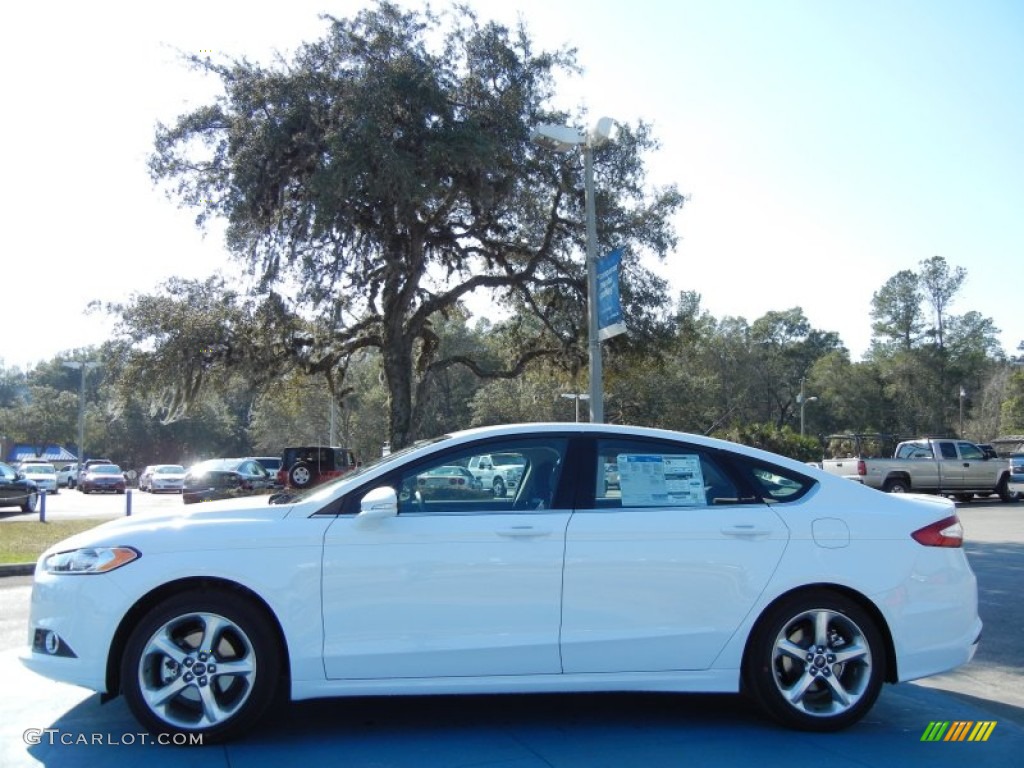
(326, 490)
(40, 469)
(170, 469)
(106, 469)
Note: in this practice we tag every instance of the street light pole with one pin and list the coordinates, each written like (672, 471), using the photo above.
(577, 396)
(803, 400)
(81, 406)
(963, 394)
(593, 319)
(560, 138)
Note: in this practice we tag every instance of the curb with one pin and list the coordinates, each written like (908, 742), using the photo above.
(17, 569)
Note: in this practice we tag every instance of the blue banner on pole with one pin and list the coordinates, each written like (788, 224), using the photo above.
(610, 321)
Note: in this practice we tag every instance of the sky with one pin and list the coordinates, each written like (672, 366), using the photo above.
(823, 145)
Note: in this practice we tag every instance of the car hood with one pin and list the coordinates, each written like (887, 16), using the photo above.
(167, 531)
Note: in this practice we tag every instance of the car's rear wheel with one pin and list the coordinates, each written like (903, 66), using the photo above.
(300, 475)
(896, 485)
(816, 661)
(499, 487)
(202, 663)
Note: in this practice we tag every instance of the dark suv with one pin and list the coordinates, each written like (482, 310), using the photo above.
(307, 466)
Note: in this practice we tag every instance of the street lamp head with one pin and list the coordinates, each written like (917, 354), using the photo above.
(557, 138)
(604, 131)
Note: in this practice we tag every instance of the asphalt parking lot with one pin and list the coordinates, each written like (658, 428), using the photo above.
(71, 728)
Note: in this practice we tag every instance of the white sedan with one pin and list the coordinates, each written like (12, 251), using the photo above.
(44, 475)
(711, 567)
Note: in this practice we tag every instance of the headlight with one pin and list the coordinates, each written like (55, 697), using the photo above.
(90, 560)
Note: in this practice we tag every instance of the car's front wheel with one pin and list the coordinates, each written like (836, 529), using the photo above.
(816, 661)
(499, 487)
(1005, 494)
(204, 663)
(29, 505)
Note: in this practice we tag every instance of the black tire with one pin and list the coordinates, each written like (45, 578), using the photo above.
(1003, 489)
(896, 485)
(300, 475)
(816, 661)
(29, 504)
(239, 671)
(499, 487)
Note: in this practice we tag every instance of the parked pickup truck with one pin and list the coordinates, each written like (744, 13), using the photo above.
(500, 472)
(927, 465)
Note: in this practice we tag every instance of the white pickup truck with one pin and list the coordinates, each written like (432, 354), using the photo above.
(928, 465)
(501, 472)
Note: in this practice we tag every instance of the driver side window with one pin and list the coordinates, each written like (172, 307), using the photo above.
(497, 476)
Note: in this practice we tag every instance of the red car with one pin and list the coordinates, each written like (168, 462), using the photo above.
(103, 477)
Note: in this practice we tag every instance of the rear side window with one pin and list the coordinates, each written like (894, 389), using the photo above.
(649, 473)
(773, 484)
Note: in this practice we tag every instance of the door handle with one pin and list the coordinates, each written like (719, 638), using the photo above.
(745, 531)
(523, 532)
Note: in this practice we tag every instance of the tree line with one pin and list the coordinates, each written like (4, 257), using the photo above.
(720, 376)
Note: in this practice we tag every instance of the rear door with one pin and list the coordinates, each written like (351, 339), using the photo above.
(662, 566)
(951, 466)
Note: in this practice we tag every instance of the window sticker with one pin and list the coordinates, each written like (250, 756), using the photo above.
(653, 480)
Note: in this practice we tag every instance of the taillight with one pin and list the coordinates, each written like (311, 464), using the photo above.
(945, 533)
(862, 467)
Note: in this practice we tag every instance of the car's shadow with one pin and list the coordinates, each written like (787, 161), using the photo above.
(533, 731)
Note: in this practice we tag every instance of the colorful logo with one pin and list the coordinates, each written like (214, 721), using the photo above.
(958, 730)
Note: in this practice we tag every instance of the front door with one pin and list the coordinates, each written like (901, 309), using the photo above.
(461, 583)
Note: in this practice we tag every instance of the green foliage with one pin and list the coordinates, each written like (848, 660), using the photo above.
(782, 441)
(386, 173)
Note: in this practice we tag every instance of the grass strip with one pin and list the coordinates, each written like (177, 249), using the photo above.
(23, 541)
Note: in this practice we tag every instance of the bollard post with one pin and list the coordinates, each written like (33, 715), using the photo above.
(42, 505)
(128, 502)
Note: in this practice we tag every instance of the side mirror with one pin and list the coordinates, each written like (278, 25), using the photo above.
(378, 504)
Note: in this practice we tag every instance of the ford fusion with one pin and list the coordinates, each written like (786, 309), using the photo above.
(706, 567)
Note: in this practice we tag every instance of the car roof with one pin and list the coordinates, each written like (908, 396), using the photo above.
(624, 430)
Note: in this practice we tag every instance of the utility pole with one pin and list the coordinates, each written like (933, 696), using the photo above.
(81, 406)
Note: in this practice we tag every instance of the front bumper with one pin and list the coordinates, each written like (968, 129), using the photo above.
(72, 620)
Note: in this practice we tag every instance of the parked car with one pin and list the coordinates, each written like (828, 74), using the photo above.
(43, 474)
(273, 466)
(102, 477)
(927, 465)
(162, 477)
(448, 479)
(89, 464)
(306, 466)
(500, 472)
(1016, 484)
(16, 490)
(224, 479)
(67, 476)
(714, 567)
